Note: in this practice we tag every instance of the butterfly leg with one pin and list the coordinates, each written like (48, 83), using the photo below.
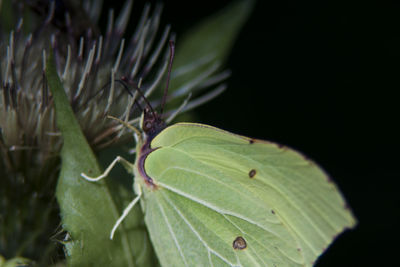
(128, 166)
(125, 213)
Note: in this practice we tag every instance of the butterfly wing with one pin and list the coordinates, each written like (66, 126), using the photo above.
(227, 200)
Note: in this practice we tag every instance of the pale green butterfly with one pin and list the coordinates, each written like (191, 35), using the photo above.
(213, 198)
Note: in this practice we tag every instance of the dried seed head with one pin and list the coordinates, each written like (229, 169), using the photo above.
(88, 62)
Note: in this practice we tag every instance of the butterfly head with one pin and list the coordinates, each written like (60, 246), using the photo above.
(152, 123)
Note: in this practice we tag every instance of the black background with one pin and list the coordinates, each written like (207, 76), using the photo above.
(320, 77)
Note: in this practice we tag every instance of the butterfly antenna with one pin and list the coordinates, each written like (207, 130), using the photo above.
(84, 104)
(171, 60)
(123, 81)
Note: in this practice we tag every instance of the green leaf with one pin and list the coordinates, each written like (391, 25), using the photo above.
(15, 262)
(6, 16)
(209, 41)
(89, 210)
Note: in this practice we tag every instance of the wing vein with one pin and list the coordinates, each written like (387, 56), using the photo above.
(259, 164)
(178, 211)
(172, 233)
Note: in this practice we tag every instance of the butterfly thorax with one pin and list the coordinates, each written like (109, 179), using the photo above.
(152, 125)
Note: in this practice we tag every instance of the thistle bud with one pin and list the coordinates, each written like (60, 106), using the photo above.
(89, 63)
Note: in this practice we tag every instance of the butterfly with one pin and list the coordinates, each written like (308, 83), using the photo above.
(214, 198)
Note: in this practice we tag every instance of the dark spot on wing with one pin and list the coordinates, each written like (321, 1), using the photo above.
(252, 173)
(282, 147)
(335, 236)
(239, 243)
(306, 158)
(251, 141)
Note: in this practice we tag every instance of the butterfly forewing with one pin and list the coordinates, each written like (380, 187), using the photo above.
(230, 199)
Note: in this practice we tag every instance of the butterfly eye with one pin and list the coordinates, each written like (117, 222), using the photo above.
(147, 125)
